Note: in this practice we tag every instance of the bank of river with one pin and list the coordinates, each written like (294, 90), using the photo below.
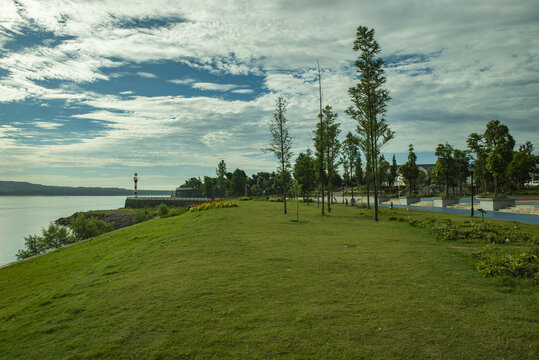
(21, 216)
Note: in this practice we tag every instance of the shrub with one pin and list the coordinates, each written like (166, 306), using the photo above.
(244, 198)
(86, 227)
(275, 199)
(52, 237)
(141, 216)
(524, 265)
(446, 230)
(175, 212)
(214, 204)
(163, 209)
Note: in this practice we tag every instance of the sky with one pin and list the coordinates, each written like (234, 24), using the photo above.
(93, 91)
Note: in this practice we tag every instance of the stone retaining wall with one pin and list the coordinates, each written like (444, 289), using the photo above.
(495, 204)
(443, 202)
(409, 200)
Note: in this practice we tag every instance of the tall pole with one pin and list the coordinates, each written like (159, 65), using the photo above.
(136, 181)
(321, 135)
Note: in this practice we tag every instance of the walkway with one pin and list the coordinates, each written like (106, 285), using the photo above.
(523, 218)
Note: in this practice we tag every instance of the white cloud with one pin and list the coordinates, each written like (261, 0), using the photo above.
(214, 87)
(146, 75)
(47, 125)
(181, 81)
(242, 91)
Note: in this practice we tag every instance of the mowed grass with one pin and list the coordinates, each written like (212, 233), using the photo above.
(248, 283)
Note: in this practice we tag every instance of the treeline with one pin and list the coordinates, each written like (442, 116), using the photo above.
(491, 158)
(16, 188)
(238, 183)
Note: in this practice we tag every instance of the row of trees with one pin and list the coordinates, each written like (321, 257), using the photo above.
(238, 183)
(490, 156)
(369, 105)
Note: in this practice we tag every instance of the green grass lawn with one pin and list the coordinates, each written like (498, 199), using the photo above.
(248, 283)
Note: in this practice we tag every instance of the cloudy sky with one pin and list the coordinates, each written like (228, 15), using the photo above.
(92, 91)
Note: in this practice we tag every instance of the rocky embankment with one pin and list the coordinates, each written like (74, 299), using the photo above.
(118, 218)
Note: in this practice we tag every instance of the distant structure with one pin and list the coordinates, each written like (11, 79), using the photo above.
(187, 193)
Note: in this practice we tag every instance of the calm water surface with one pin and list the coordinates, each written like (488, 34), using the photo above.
(21, 216)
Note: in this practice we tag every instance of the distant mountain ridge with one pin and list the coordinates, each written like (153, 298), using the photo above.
(26, 188)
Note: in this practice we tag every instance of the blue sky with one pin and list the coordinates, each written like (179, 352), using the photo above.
(93, 91)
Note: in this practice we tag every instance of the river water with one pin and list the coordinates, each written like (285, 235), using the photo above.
(21, 216)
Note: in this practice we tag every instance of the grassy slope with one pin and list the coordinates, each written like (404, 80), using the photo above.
(248, 283)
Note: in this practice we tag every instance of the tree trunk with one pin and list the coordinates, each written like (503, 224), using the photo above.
(284, 200)
(496, 186)
(368, 194)
(375, 190)
(330, 194)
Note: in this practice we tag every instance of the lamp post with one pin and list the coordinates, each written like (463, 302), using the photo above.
(136, 181)
(471, 168)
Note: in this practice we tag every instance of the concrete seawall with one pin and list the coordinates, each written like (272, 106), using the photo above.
(142, 202)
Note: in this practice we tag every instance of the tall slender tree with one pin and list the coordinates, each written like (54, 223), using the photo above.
(350, 150)
(393, 172)
(221, 176)
(409, 170)
(383, 173)
(445, 165)
(370, 100)
(500, 146)
(332, 146)
(281, 144)
(524, 164)
(319, 152)
(476, 143)
(305, 173)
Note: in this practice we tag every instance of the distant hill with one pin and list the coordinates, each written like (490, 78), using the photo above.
(25, 188)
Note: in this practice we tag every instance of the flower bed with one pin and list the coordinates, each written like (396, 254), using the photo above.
(213, 204)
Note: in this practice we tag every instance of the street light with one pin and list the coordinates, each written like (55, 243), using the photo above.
(135, 179)
(471, 168)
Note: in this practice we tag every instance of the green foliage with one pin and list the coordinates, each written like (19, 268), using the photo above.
(238, 182)
(393, 172)
(85, 227)
(275, 199)
(221, 175)
(369, 99)
(499, 144)
(445, 165)
(523, 164)
(214, 204)
(476, 143)
(447, 230)
(305, 172)
(491, 263)
(409, 170)
(207, 187)
(52, 237)
(383, 171)
(141, 216)
(244, 198)
(281, 144)
(193, 182)
(163, 209)
(327, 145)
(175, 212)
